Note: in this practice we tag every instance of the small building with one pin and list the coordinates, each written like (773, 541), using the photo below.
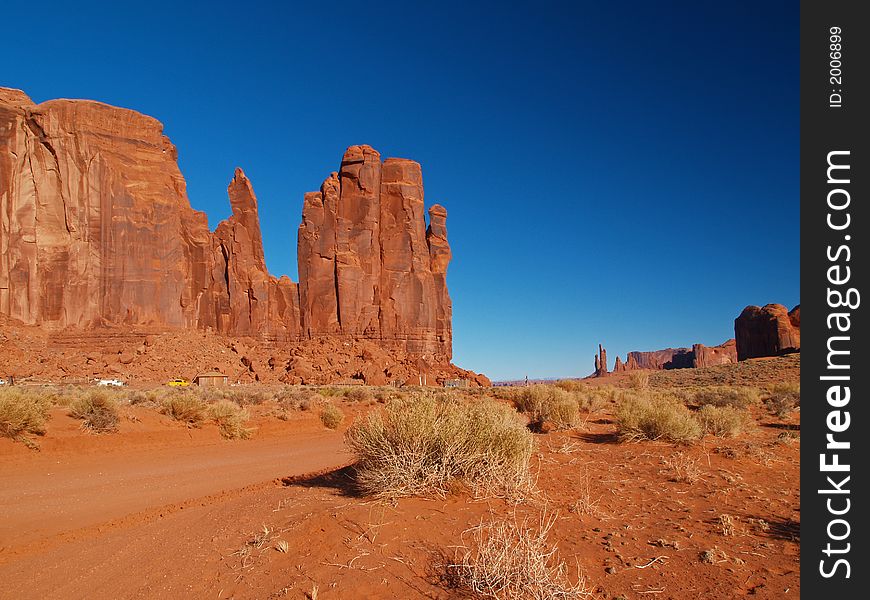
(211, 379)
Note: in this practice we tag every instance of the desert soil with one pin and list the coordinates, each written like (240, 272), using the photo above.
(161, 511)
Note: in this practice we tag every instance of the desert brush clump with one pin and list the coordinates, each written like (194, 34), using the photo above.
(548, 404)
(782, 398)
(655, 416)
(513, 560)
(331, 416)
(230, 418)
(185, 406)
(724, 421)
(98, 410)
(423, 445)
(639, 380)
(358, 394)
(297, 398)
(726, 395)
(22, 413)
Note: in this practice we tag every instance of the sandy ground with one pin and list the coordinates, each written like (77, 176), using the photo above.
(160, 511)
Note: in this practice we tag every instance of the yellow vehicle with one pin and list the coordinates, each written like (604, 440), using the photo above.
(178, 382)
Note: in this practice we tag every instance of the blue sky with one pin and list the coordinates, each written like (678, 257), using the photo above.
(625, 174)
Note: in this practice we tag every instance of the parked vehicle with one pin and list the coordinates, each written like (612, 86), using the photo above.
(178, 382)
(110, 382)
(2, 382)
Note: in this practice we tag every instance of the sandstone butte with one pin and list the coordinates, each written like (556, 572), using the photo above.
(97, 235)
(771, 330)
(697, 356)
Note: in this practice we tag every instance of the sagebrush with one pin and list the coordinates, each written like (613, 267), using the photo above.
(513, 560)
(423, 444)
(98, 411)
(655, 416)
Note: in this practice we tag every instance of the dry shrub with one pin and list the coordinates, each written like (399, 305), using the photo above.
(297, 398)
(98, 409)
(569, 385)
(331, 416)
(548, 403)
(358, 394)
(231, 419)
(185, 407)
(727, 525)
(684, 467)
(782, 398)
(639, 380)
(594, 398)
(724, 421)
(655, 416)
(421, 445)
(513, 560)
(22, 413)
(725, 395)
(242, 396)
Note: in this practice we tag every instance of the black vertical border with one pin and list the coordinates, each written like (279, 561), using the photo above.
(825, 129)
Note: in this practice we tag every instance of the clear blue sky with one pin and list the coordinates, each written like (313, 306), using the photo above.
(624, 173)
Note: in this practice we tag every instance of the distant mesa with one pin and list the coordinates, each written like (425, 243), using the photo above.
(771, 330)
(98, 234)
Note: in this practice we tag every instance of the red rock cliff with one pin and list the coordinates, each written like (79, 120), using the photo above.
(96, 230)
(368, 266)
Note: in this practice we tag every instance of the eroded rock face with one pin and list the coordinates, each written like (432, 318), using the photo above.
(723, 354)
(96, 231)
(697, 356)
(770, 330)
(369, 268)
(669, 358)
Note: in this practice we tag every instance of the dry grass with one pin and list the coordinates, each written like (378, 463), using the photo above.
(756, 373)
(723, 395)
(639, 380)
(21, 414)
(331, 416)
(782, 398)
(98, 411)
(186, 407)
(724, 421)
(684, 467)
(727, 525)
(423, 444)
(358, 394)
(231, 419)
(511, 560)
(548, 404)
(655, 416)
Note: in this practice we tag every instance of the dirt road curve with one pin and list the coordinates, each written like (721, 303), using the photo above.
(57, 495)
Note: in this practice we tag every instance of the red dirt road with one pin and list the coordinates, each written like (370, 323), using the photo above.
(93, 496)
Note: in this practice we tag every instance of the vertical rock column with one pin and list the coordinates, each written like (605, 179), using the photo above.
(406, 286)
(358, 254)
(318, 289)
(439, 258)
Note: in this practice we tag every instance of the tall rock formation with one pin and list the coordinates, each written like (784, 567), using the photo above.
(770, 330)
(601, 362)
(96, 231)
(369, 267)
